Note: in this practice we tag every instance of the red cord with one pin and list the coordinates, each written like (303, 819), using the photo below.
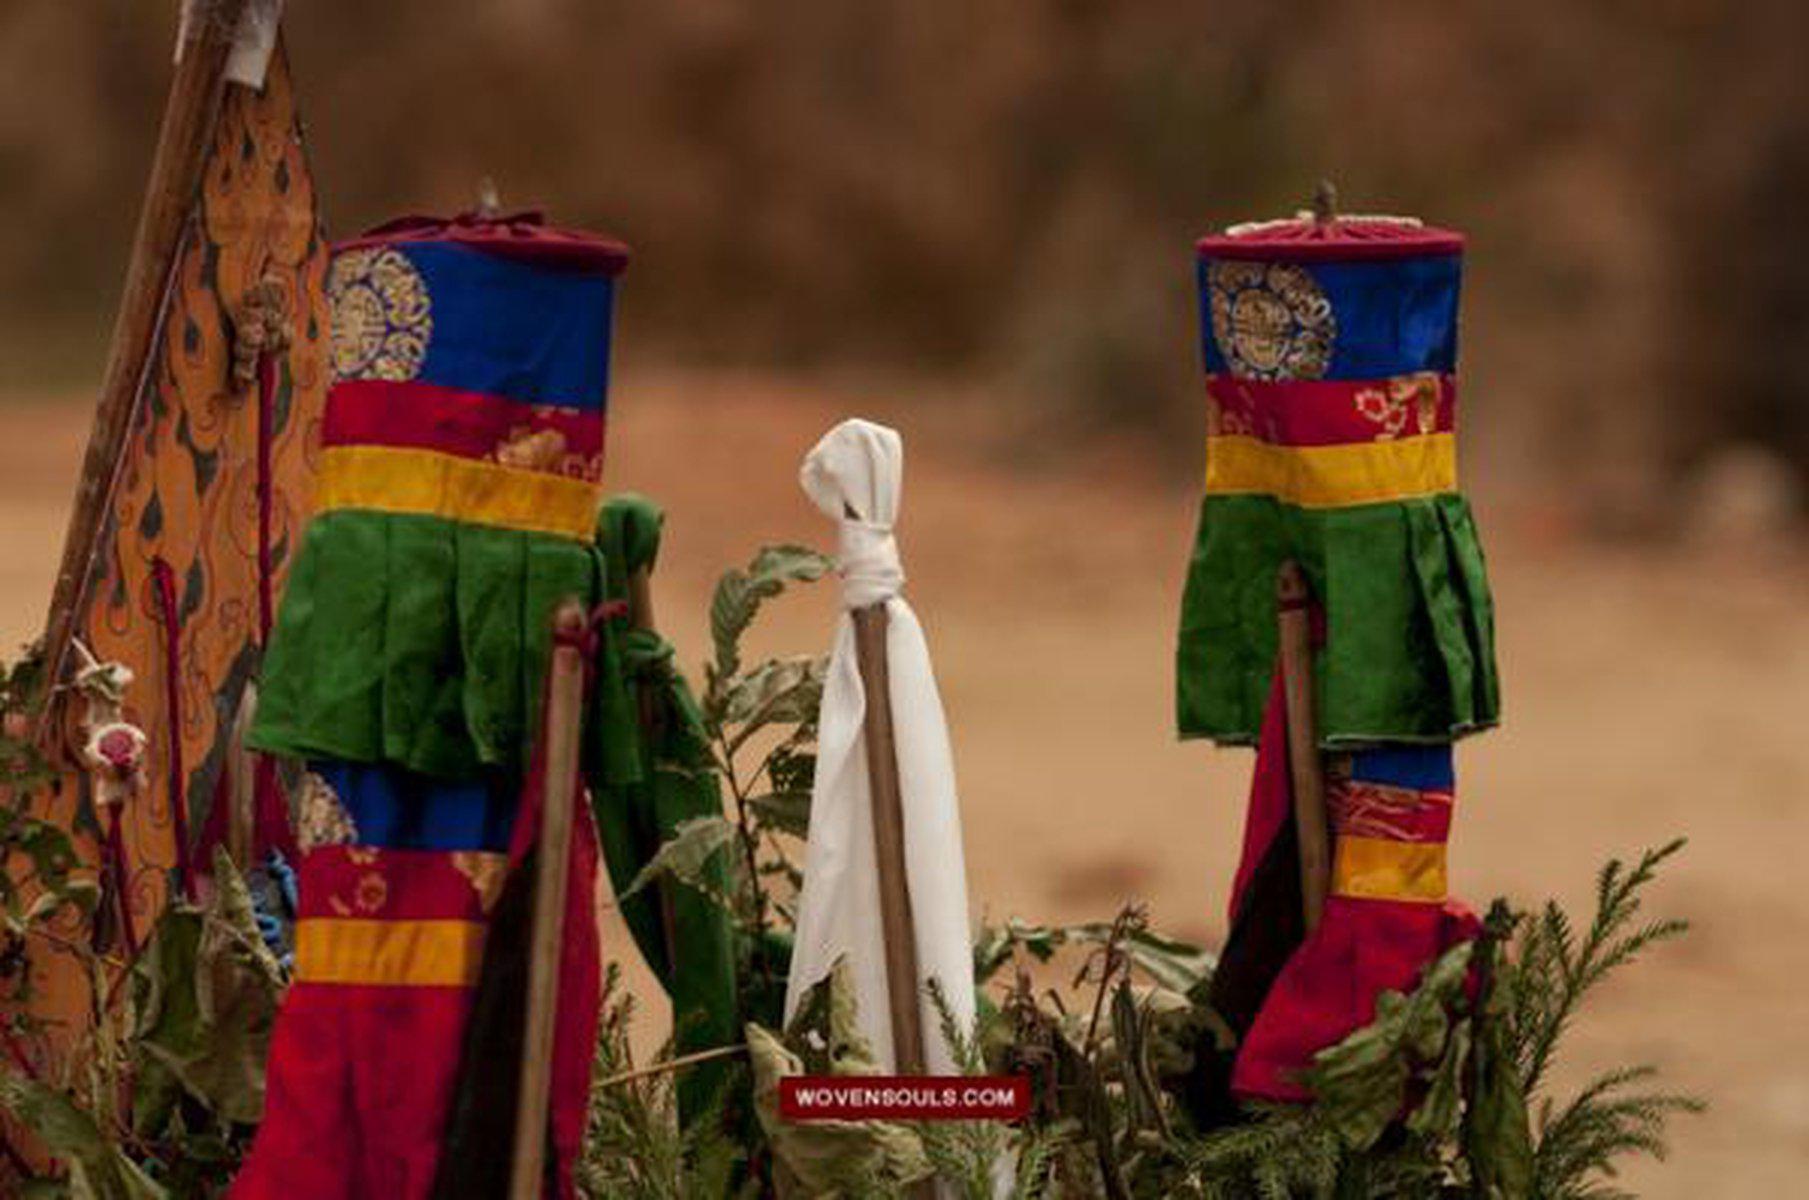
(270, 820)
(266, 436)
(116, 862)
(163, 579)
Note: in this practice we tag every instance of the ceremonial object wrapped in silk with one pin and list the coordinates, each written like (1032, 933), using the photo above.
(1387, 917)
(459, 487)
(457, 503)
(1331, 353)
(854, 475)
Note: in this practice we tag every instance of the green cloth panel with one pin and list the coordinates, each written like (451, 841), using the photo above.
(634, 819)
(423, 642)
(1409, 651)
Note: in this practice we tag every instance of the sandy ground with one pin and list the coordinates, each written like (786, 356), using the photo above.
(1649, 694)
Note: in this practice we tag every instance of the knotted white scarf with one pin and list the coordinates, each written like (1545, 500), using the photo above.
(857, 468)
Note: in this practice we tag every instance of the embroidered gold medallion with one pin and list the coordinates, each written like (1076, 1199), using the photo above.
(1271, 321)
(382, 317)
(321, 819)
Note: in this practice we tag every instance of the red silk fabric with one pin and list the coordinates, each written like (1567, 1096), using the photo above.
(524, 236)
(360, 1075)
(580, 976)
(359, 1082)
(398, 885)
(1271, 794)
(1328, 989)
(1333, 412)
(425, 416)
(1365, 944)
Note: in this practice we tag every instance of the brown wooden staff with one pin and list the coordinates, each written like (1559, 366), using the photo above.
(889, 841)
(564, 717)
(163, 224)
(1294, 623)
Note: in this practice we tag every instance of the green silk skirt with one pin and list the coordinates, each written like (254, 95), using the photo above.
(423, 642)
(1409, 642)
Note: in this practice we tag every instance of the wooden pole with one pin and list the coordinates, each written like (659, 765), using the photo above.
(164, 223)
(1294, 622)
(888, 841)
(242, 782)
(564, 716)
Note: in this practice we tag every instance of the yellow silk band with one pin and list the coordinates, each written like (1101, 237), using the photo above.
(428, 483)
(388, 953)
(1378, 869)
(1332, 476)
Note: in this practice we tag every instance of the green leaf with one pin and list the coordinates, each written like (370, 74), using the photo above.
(783, 812)
(685, 855)
(1361, 1084)
(207, 991)
(779, 690)
(1168, 962)
(740, 593)
(1438, 1114)
(830, 1158)
(98, 1168)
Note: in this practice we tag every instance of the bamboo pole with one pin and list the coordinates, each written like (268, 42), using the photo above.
(164, 223)
(563, 718)
(888, 841)
(1294, 625)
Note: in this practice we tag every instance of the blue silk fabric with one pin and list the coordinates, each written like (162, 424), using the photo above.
(513, 329)
(1420, 768)
(1393, 316)
(401, 810)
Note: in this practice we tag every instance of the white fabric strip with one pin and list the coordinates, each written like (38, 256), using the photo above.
(858, 467)
(252, 44)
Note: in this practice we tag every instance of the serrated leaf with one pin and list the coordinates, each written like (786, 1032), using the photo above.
(783, 812)
(685, 855)
(784, 690)
(740, 593)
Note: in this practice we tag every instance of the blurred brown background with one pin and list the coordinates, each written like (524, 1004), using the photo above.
(973, 220)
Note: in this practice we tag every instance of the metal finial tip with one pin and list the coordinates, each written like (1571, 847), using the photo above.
(489, 201)
(1325, 203)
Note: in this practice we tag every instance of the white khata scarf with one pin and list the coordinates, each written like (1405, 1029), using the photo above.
(857, 468)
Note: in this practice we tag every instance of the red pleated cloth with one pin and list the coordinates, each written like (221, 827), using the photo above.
(366, 1048)
(1387, 919)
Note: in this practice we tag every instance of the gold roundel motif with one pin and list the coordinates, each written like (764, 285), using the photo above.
(382, 317)
(1271, 320)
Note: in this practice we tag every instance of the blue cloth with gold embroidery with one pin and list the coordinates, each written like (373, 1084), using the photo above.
(1330, 354)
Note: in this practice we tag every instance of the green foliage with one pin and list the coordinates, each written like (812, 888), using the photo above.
(22, 766)
(205, 995)
(98, 1165)
(761, 722)
(686, 856)
(634, 1147)
(1550, 973)
(1364, 1082)
(1432, 1099)
(165, 1090)
(159, 1096)
(1167, 961)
